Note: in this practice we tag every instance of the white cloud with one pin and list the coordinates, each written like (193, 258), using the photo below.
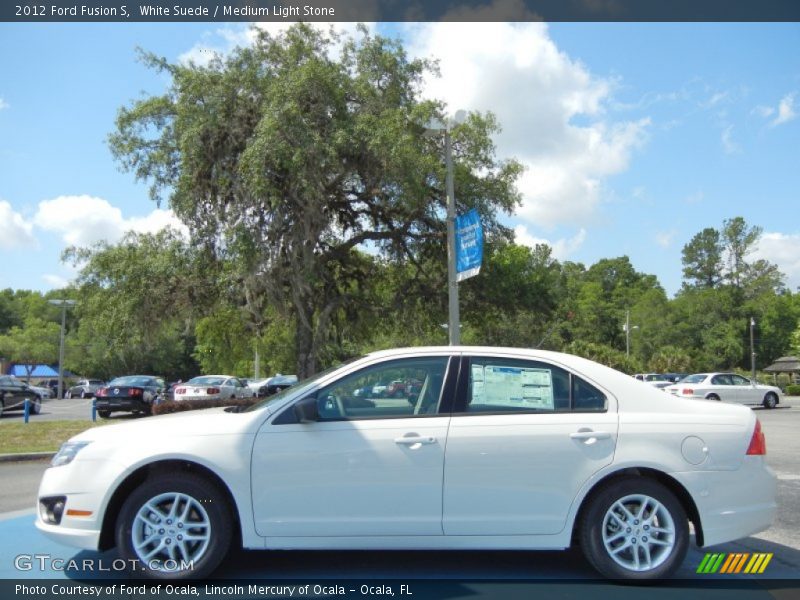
(664, 238)
(55, 281)
(783, 250)
(538, 94)
(784, 113)
(728, 144)
(15, 232)
(562, 249)
(84, 220)
(4, 104)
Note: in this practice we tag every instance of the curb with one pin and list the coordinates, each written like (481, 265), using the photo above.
(6, 458)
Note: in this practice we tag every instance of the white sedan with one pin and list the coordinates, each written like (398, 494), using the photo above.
(727, 387)
(498, 448)
(212, 387)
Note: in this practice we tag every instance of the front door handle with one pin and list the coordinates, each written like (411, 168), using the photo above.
(414, 440)
(588, 436)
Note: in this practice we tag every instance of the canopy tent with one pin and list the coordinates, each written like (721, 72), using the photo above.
(785, 364)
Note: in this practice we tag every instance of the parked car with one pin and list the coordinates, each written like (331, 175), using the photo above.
(85, 388)
(657, 380)
(14, 392)
(131, 393)
(212, 387)
(42, 392)
(675, 377)
(504, 448)
(727, 387)
(280, 383)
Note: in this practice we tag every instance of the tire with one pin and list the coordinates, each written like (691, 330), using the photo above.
(36, 406)
(2, 406)
(67, 395)
(620, 517)
(770, 400)
(104, 414)
(201, 510)
(713, 397)
(83, 395)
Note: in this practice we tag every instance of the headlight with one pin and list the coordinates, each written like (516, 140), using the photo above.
(67, 453)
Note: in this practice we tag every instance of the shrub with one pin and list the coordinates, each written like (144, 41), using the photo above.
(793, 390)
(173, 407)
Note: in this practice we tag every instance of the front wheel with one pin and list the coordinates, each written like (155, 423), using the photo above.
(770, 400)
(175, 526)
(36, 405)
(635, 529)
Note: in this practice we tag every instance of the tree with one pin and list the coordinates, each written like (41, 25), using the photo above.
(285, 158)
(702, 259)
(35, 343)
(738, 240)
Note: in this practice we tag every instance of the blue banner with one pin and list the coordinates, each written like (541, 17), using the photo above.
(469, 245)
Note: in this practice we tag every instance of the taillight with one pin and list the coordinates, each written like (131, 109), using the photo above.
(135, 392)
(101, 392)
(212, 391)
(180, 390)
(758, 443)
(687, 391)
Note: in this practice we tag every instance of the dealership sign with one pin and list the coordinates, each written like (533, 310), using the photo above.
(469, 245)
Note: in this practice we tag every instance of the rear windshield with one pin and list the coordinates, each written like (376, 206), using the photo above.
(694, 378)
(206, 380)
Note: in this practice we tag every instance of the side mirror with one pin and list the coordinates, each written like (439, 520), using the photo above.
(306, 410)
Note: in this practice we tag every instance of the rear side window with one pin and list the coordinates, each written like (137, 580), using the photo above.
(498, 385)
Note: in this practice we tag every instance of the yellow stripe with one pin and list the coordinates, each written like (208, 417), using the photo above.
(766, 562)
(749, 567)
(758, 562)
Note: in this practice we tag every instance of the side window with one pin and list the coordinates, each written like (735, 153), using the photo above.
(513, 385)
(721, 380)
(398, 388)
(739, 380)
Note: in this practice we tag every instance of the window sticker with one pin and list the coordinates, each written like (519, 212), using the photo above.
(527, 388)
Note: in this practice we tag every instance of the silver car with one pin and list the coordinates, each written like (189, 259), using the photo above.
(727, 387)
(212, 387)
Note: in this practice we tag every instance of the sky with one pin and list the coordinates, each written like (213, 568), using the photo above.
(634, 137)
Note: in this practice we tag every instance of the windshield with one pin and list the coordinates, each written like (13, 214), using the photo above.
(694, 378)
(131, 380)
(299, 388)
(205, 380)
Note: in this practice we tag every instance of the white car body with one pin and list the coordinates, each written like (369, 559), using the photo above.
(727, 387)
(212, 387)
(512, 480)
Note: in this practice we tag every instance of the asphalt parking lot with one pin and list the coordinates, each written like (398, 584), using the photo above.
(17, 535)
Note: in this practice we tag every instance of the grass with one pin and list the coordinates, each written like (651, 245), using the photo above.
(46, 436)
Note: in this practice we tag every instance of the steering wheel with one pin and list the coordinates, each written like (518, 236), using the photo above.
(330, 402)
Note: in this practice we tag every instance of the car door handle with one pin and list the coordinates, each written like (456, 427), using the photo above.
(588, 435)
(411, 440)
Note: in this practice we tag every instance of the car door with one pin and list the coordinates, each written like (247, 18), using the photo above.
(744, 391)
(722, 386)
(364, 466)
(525, 436)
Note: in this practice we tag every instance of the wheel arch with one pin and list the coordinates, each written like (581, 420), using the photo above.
(134, 479)
(672, 484)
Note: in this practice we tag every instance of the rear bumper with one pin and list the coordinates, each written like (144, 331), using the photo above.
(126, 404)
(733, 504)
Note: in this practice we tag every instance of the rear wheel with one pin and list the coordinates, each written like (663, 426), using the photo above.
(635, 528)
(175, 527)
(712, 397)
(770, 400)
(104, 414)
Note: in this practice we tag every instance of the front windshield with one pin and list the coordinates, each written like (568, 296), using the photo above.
(299, 388)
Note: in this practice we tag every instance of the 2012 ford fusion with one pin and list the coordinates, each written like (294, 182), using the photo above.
(493, 448)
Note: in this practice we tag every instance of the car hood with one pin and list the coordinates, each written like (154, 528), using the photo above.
(210, 421)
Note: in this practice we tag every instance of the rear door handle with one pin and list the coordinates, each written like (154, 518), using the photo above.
(412, 440)
(589, 436)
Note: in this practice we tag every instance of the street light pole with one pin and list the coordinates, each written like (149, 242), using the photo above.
(627, 328)
(454, 319)
(752, 349)
(454, 331)
(63, 304)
